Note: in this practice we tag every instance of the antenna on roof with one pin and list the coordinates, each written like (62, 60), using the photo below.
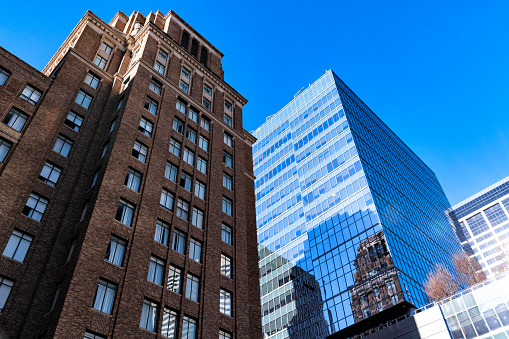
(300, 90)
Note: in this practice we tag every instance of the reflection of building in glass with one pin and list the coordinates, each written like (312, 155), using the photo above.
(331, 177)
(482, 225)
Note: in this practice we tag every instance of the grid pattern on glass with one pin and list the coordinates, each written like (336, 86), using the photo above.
(92, 80)
(203, 143)
(139, 151)
(179, 242)
(186, 73)
(5, 146)
(35, 207)
(175, 147)
(74, 121)
(477, 224)
(156, 271)
(90, 335)
(15, 119)
(5, 290)
(195, 250)
(4, 75)
(100, 62)
(189, 328)
(155, 86)
(191, 135)
(50, 174)
(171, 171)
(227, 181)
(31, 95)
(192, 287)
(495, 215)
(201, 165)
(226, 266)
(146, 127)
(166, 200)
(159, 67)
(125, 212)
(225, 303)
(83, 99)
(133, 179)
(169, 326)
(63, 145)
(115, 251)
(162, 232)
(227, 206)
(207, 89)
(182, 209)
(17, 246)
(188, 156)
(148, 318)
(226, 234)
(105, 296)
(224, 335)
(151, 105)
(199, 189)
(178, 125)
(174, 283)
(197, 218)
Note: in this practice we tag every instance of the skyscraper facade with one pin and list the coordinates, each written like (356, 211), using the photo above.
(349, 219)
(482, 225)
(126, 188)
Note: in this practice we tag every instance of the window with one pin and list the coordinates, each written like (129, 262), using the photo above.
(207, 104)
(181, 107)
(166, 200)
(495, 215)
(112, 125)
(17, 246)
(140, 151)
(226, 234)
(227, 181)
(105, 296)
(201, 165)
(203, 143)
(204, 55)
(193, 115)
(133, 180)
(185, 181)
(179, 242)
(178, 125)
(227, 206)
(30, 94)
(225, 303)
(5, 290)
(169, 327)
(189, 328)
(228, 119)
(119, 104)
(149, 315)
(89, 335)
(35, 207)
(125, 212)
(228, 106)
(227, 159)
(96, 176)
(4, 149)
(394, 299)
(105, 47)
(163, 55)
(186, 73)
(174, 279)
(191, 135)
(16, 120)
(188, 156)
(162, 232)
(364, 298)
(100, 61)
(103, 55)
(195, 250)
(228, 139)
(155, 86)
(159, 67)
(151, 105)
(194, 48)
(226, 266)
(205, 124)
(390, 284)
(366, 313)
(380, 306)
(92, 80)
(4, 75)
(175, 147)
(192, 287)
(74, 121)
(199, 190)
(83, 99)
(71, 250)
(50, 174)
(115, 251)
(146, 127)
(197, 218)
(207, 89)
(62, 145)
(171, 171)
(84, 212)
(376, 291)
(183, 209)
(185, 40)
(184, 86)
(224, 335)
(105, 149)
(156, 271)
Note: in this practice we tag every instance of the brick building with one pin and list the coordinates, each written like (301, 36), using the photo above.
(126, 180)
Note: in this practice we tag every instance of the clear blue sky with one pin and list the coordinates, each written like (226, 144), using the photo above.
(437, 72)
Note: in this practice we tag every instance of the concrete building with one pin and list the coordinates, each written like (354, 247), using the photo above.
(127, 203)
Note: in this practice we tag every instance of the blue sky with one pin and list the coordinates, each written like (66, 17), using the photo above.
(436, 72)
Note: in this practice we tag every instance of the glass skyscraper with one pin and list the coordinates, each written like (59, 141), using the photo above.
(349, 219)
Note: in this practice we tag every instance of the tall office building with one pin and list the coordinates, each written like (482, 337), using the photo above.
(127, 203)
(482, 225)
(349, 219)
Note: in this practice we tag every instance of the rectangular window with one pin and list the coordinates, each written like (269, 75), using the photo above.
(224, 335)
(227, 159)
(175, 147)
(203, 143)
(192, 287)
(193, 115)
(148, 318)
(227, 181)
(4, 75)
(228, 119)
(380, 306)
(155, 86)
(394, 299)
(159, 67)
(188, 156)
(181, 107)
(4, 149)
(146, 127)
(225, 303)
(205, 124)
(5, 290)
(119, 103)
(90, 335)
(226, 266)
(133, 180)
(183, 209)
(63, 145)
(50, 174)
(125, 212)
(169, 326)
(115, 251)
(35, 207)
(100, 61)
(178, 125)
(204, 55)
(191, 135)
(186, 73)
(151, 105)
(199, 190)
(15, 120)
(179, 242)
(227, 206)
(92, 80)
(105, 296)
(207, 89)
(162, 232)
(184, 86)
(185, 181)
(195, 250)
(140, 151)
(228, 106)
(495, 215)
(366, 313)
(156, 271)
(83, 99)
(207, 104)
(171, 171)
(112, 125)
(390, 284)
(197, 217)
(228, 139)
(226, 234)
(17, 246)
(106, 48)
(201, 165)
(74, 121)
(194, 48)
(31, 95)
(167, 200)
(189, 328)
(163, 55)
(174, 279)
(185, 40)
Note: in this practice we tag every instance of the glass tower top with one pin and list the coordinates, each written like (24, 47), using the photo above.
(349, 219)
